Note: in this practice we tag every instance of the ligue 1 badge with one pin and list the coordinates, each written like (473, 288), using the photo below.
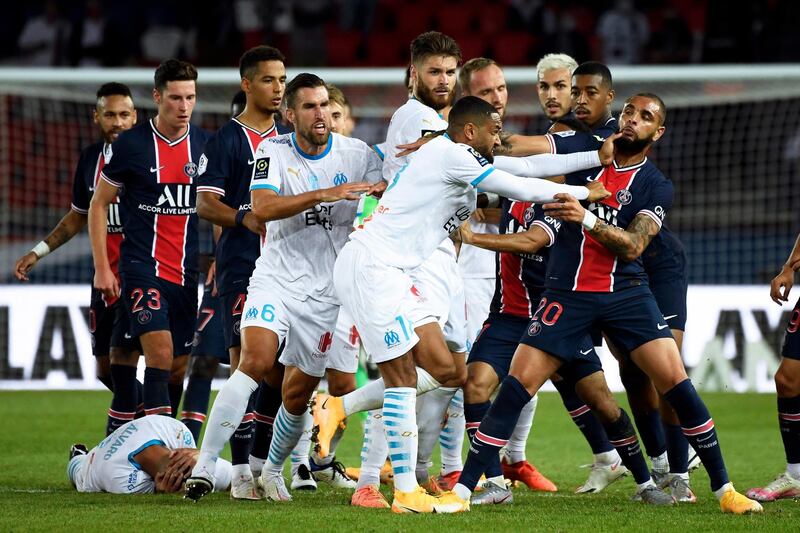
(190, 169)
(624, 196)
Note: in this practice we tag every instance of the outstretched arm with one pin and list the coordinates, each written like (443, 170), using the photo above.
(69, 226)
(537, 190)
(267, 205)
(524, 242)
(782, 283)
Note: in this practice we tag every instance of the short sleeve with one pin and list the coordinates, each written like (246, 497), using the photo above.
(374, 170)
(466, 165)
(80, 193)
(568, 142)
(549, 224)
(266, 174)
(116, 168)
(213, 167)
(659, 201)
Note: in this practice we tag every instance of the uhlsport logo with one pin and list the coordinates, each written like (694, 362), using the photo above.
(251, 314)
(391, 338)
(534, 329)
(339, 179)
(190, 169)
(624, 196)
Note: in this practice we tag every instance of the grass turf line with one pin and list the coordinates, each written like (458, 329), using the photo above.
(39, 427)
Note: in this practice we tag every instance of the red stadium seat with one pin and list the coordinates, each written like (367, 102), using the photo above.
(455, 19)
(343, 47)
(473, 46)
(413, 19)
(512, 48)
(385, 50)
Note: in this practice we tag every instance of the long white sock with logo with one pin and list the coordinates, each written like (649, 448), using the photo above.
(431, 410)
(451, 439)
(374, 451)
(400, 423)
(226, 415)
(299, 455)
(370, 396)
(286, 433)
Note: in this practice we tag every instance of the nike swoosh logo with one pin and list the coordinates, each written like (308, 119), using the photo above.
(705, 439)
(156, 169)
(187, 344)
(662, 326)
(670, 316)
(250, 161)
(585, 352)
(127, 336)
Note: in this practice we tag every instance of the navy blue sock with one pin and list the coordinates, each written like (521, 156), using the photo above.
(268, 401)
(623, 438)
(789, 422)
(139, 399)
(677, 449)
(107, 381)
(175, 393)
(156, 392)
(494, 431)
(651, 431)
(125, 398)
(698, 427)
(195, 404)
(242, 439)
(473, 414)
(583, 417)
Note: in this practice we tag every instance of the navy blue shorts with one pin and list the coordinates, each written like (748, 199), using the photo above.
(109, 326)
(565, 318)
(154, 304)
(497, 341)
(670, 294)
(208, 339)
(791, 342)
(500, 337)
(232, 305)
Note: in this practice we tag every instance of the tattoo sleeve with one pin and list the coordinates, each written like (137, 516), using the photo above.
(505, 145)
(630, 243)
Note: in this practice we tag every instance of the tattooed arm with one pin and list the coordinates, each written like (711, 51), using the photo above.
(69, 226)
(627, 244)
(521, 145)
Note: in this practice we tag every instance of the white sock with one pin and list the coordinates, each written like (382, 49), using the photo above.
(682, 475)
(299, 455)
(660, 463)
(793, 469)
(400, 423)
(285, 434)
(607, 458)
(720, 492)
(498, 480)
(226, 415)
(431, 411)
(515, 448)
(240, 471)
(256, 465)
(374, 451)
(370, 396)
(451, 440)
(462, 492)
(647, 484)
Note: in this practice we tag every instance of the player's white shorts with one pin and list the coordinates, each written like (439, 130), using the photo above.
(478, 293)
(439, 282)
(346, 343)
(380, 299)
(306, 325)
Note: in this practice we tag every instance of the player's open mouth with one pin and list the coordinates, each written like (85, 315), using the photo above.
(319, 127)
(580, 112)
(276, 102)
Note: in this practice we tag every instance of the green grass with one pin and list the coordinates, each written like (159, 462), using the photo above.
(39, 427)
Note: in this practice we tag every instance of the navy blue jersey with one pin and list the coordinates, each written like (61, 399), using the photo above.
(226, 170)
(578, 261)
(664, 256)
(520, 277)
(159, 209)
(571, 141)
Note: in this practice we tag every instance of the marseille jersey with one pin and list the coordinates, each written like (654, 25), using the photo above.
(300, 250)
(520, 277)
(426, 201)
(577, 261)
(225, 168)
(110, 466)
(411, 121)
(159, 209)
(87, 174)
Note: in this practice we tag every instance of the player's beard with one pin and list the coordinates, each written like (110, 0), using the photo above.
(427, 97)
(314, 138)
(628, 147)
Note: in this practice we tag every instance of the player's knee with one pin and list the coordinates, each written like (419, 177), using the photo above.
(459, 377)
(295, 399)
(340, 383)
(600, 401)
(203, 366)
(254, 366)
(787, 384)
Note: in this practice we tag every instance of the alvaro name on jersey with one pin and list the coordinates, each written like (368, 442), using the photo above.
(300, 250)
(424, 203)
(226, 168)
(159, 201)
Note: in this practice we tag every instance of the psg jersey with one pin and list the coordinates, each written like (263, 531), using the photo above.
(226, 168)
(159, 211)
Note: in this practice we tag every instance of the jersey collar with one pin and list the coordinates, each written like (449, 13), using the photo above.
(261, 133)
(163, 138)
(632, 167)
(309, 156)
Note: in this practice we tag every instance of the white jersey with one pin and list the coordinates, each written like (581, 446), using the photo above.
(474, 262)
(424, 203)
(300, 251)
(111, 465)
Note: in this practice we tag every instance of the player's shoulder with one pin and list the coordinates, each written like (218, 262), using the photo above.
(417, 115)
(198, 134)
(340, 142)
(609, 127)
(652, 175)
(91, 152)
(277, 144)
(463, 152)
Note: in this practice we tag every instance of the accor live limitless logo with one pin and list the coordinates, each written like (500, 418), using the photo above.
(176, 199)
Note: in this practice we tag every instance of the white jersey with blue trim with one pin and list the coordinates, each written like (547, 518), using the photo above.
(110, 466)
(300, 250)
(425, 202)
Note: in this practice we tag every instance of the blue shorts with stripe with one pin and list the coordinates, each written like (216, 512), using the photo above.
(670, 294)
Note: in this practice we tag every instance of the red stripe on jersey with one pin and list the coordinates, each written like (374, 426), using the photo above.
(514, 297)
(598, 263)
(169, 240)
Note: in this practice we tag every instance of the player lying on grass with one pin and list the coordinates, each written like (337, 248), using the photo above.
(152, 454)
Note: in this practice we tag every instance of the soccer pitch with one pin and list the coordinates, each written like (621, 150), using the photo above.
(39, 427)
